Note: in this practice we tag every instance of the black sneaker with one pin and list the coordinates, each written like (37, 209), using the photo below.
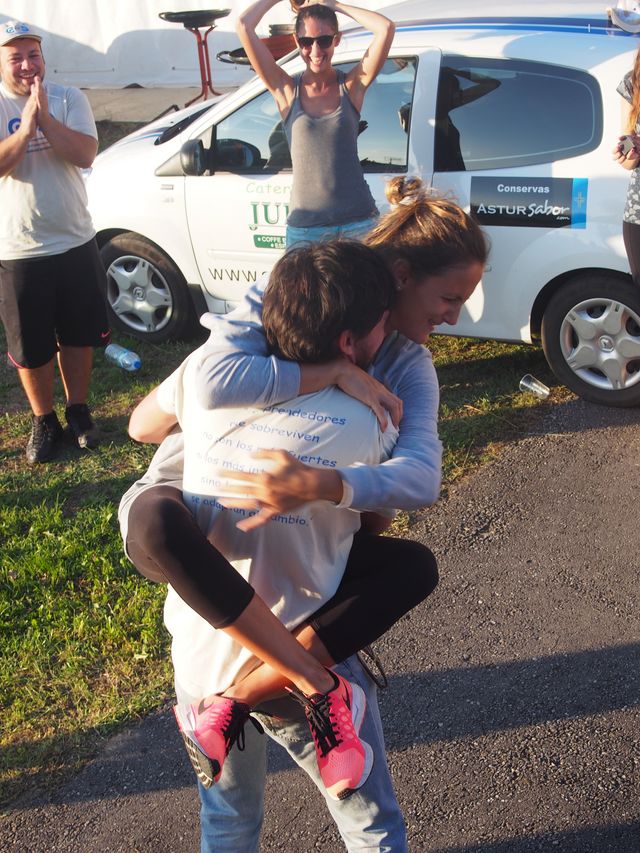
(46, 432)
(81, 425)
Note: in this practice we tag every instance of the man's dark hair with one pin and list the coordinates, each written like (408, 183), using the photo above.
(319, 290)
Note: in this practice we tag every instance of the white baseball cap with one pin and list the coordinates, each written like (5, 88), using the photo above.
(12, 30)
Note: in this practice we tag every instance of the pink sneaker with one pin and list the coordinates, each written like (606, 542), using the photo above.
(209, 733)
(335, 718)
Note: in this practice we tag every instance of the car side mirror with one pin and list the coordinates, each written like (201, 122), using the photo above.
(234, 155)
(192, 157)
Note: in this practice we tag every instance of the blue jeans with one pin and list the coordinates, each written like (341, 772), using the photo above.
(316, 233)
(369, 820)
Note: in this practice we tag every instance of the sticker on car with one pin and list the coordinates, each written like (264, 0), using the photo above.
(532, 202)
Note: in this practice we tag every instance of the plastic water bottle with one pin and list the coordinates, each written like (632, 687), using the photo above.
(123, 357)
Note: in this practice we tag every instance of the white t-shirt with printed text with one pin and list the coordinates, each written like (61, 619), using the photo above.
(295, 562)
(43, 200)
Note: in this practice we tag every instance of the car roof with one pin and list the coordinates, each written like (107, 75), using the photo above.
(503, 11)
(448, 26)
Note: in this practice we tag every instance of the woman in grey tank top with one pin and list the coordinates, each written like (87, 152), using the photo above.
(320, 111)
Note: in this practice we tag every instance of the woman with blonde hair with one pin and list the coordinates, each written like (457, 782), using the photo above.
(436, 253)
(627, 154)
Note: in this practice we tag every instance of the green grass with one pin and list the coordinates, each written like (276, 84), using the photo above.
(481, 405)
(83, 648)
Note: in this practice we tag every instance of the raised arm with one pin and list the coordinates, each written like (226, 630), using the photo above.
(366, 71)
(277, 81)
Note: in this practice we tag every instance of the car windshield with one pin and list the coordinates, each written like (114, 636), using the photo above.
(177, 128)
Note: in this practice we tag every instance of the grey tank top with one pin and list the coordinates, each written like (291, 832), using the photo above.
(328, 185)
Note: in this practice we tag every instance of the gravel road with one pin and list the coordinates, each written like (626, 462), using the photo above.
(512, 714)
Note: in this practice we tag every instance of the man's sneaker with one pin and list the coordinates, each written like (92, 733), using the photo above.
(46, 432)
(335, 718)
(81, 426)
(209, 733)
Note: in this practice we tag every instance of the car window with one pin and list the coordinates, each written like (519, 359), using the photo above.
(383, 143)
(502, 113)
(249, 140)
(252, 139)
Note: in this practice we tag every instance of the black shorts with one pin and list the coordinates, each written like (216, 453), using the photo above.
(50, 300)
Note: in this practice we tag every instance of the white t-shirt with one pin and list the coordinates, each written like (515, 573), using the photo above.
(43, 201)
(296, 561)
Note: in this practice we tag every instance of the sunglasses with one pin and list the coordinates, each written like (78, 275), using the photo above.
(306, 42)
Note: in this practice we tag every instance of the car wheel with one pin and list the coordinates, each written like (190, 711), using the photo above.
(146, 293)
(591, 338)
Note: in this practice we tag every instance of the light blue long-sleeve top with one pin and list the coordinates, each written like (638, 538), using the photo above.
(239, 370)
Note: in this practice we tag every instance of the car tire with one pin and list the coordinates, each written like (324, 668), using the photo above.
(147, 296)
(591, 338)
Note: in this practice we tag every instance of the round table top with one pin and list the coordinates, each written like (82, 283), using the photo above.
(201, 18)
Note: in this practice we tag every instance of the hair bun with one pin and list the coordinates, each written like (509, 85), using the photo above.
(401, 190)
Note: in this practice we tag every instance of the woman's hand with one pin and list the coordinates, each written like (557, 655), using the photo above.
(632, 157)
(285, 486)
(356, 382)
(297, 6)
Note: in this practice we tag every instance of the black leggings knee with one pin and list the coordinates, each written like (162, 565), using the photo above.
(165, 544)
(384, 577)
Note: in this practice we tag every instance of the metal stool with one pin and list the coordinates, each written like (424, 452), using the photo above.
(233, 57)
(280, 42)
(194, 21)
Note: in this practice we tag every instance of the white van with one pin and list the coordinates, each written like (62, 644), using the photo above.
(511, 107)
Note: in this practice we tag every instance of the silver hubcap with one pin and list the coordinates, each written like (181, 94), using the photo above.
(600, 341)
(139, 294)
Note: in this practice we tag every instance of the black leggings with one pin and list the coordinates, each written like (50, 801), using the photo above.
(631, 237)
(384, 578)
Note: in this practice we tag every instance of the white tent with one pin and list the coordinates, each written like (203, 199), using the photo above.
(115, 43)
